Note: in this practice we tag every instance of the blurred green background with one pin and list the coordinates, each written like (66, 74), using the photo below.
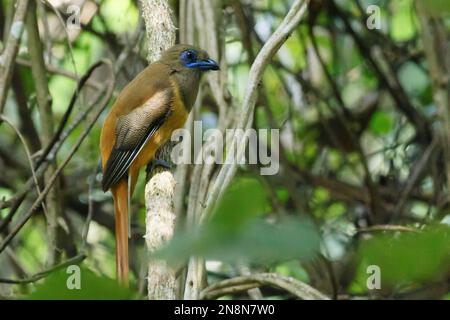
(338, 93)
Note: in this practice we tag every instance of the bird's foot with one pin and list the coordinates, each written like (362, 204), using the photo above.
(158, 163)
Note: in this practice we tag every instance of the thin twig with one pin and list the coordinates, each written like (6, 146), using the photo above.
(61, 72)
(417, 172)
(388, 227)
(38, 276)
(8, 56)
(87, 222)
(27, 152)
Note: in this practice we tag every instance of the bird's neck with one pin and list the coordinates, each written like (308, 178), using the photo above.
(188, 83)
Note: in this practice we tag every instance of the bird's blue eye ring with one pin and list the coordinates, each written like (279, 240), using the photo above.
(189, 56)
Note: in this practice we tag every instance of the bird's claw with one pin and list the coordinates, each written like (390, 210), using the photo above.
(158, 163)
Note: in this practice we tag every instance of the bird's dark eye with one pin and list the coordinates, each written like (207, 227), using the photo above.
(189, 56)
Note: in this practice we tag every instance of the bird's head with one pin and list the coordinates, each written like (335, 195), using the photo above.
(186, 64)
(189, 57)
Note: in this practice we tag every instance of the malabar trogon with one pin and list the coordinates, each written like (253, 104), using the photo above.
(142, 119)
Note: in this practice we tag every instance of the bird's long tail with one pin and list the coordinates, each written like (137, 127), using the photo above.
(120, 195)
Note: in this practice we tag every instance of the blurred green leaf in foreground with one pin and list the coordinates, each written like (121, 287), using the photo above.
(59, 286)
(408, 258)
(239, 230)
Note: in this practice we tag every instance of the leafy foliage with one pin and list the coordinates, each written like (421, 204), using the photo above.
(409, 258)
(235, 232)
(58, 286)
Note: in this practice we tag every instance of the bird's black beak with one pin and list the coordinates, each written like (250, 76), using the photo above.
(207, 64)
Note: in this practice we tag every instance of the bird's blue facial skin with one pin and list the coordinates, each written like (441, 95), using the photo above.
(189, 58)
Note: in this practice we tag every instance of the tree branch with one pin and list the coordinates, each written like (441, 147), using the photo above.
(38, 276)
(299, 289)
(38, 70)
(9, 53)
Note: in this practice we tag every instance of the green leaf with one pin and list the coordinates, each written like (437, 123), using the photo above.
(381, 123)
(92, 287)
(237, 231)
(257, 241)
(409, 257)
(414, 79)
(245, 199)
(402, 26)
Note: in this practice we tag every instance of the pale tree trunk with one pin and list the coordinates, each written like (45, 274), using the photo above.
(159, 191)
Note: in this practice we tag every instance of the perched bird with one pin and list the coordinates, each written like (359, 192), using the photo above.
(142, 119)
